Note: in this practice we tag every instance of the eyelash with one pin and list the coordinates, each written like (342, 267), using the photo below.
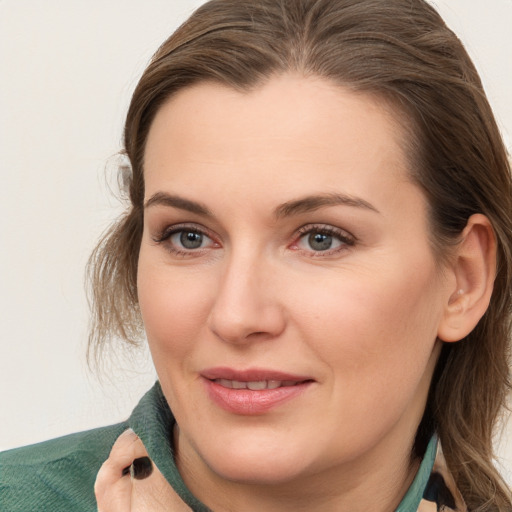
(346, 239)
(165, 235)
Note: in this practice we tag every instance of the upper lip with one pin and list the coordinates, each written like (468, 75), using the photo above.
(251, 375)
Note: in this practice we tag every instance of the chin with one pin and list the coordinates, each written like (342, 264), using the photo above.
(264, 471)
(255, 459)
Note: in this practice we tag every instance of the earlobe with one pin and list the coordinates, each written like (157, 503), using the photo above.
(474, 268)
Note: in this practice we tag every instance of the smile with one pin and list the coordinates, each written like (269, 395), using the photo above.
(254, 391)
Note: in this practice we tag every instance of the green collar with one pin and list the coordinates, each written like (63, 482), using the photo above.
(152, 421)
(414, 495)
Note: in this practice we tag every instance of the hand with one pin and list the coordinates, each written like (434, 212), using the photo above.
(128, 481)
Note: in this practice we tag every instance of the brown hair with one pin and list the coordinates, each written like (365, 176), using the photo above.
(402, 51)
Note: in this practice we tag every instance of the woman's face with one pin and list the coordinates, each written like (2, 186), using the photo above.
(288, 289)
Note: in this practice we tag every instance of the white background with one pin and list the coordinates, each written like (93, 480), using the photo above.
(67, 70)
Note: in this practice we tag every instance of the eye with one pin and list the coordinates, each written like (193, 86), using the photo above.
(188, 239)
(185, 240)
(323, 240)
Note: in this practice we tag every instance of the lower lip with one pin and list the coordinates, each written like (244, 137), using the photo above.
(251, 403)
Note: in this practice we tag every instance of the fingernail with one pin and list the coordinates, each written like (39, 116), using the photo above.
(142, 468)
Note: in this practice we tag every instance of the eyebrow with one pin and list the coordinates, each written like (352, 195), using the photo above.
(294, 207)
(315, 202)
(164, 199)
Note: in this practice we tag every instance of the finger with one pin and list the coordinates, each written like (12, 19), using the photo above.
(129, 481)
(113, 486)
(154, 494)
(126, 449)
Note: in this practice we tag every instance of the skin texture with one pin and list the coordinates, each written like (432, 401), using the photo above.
(360, 320)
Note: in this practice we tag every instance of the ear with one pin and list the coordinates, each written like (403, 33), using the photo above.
(474, 270)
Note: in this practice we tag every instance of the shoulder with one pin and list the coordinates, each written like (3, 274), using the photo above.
(56, 475)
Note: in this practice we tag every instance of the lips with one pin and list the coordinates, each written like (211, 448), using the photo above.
(252, 392)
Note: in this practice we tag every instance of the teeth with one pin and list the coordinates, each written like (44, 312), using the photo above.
(254, 385)
(225, 383)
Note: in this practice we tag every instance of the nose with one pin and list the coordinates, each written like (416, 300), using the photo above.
(247, 307)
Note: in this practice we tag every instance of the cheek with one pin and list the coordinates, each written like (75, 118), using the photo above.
(375, 327)
(174, 309)
(376, 341)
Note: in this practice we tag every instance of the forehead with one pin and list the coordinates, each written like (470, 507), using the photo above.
(304, 130)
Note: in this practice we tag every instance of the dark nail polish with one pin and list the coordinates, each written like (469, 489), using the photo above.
(142, 468)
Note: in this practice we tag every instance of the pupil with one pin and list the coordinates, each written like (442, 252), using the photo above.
(191, 240)
(320, 241)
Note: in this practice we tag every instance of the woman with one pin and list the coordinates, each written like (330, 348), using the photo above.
(318, 250)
